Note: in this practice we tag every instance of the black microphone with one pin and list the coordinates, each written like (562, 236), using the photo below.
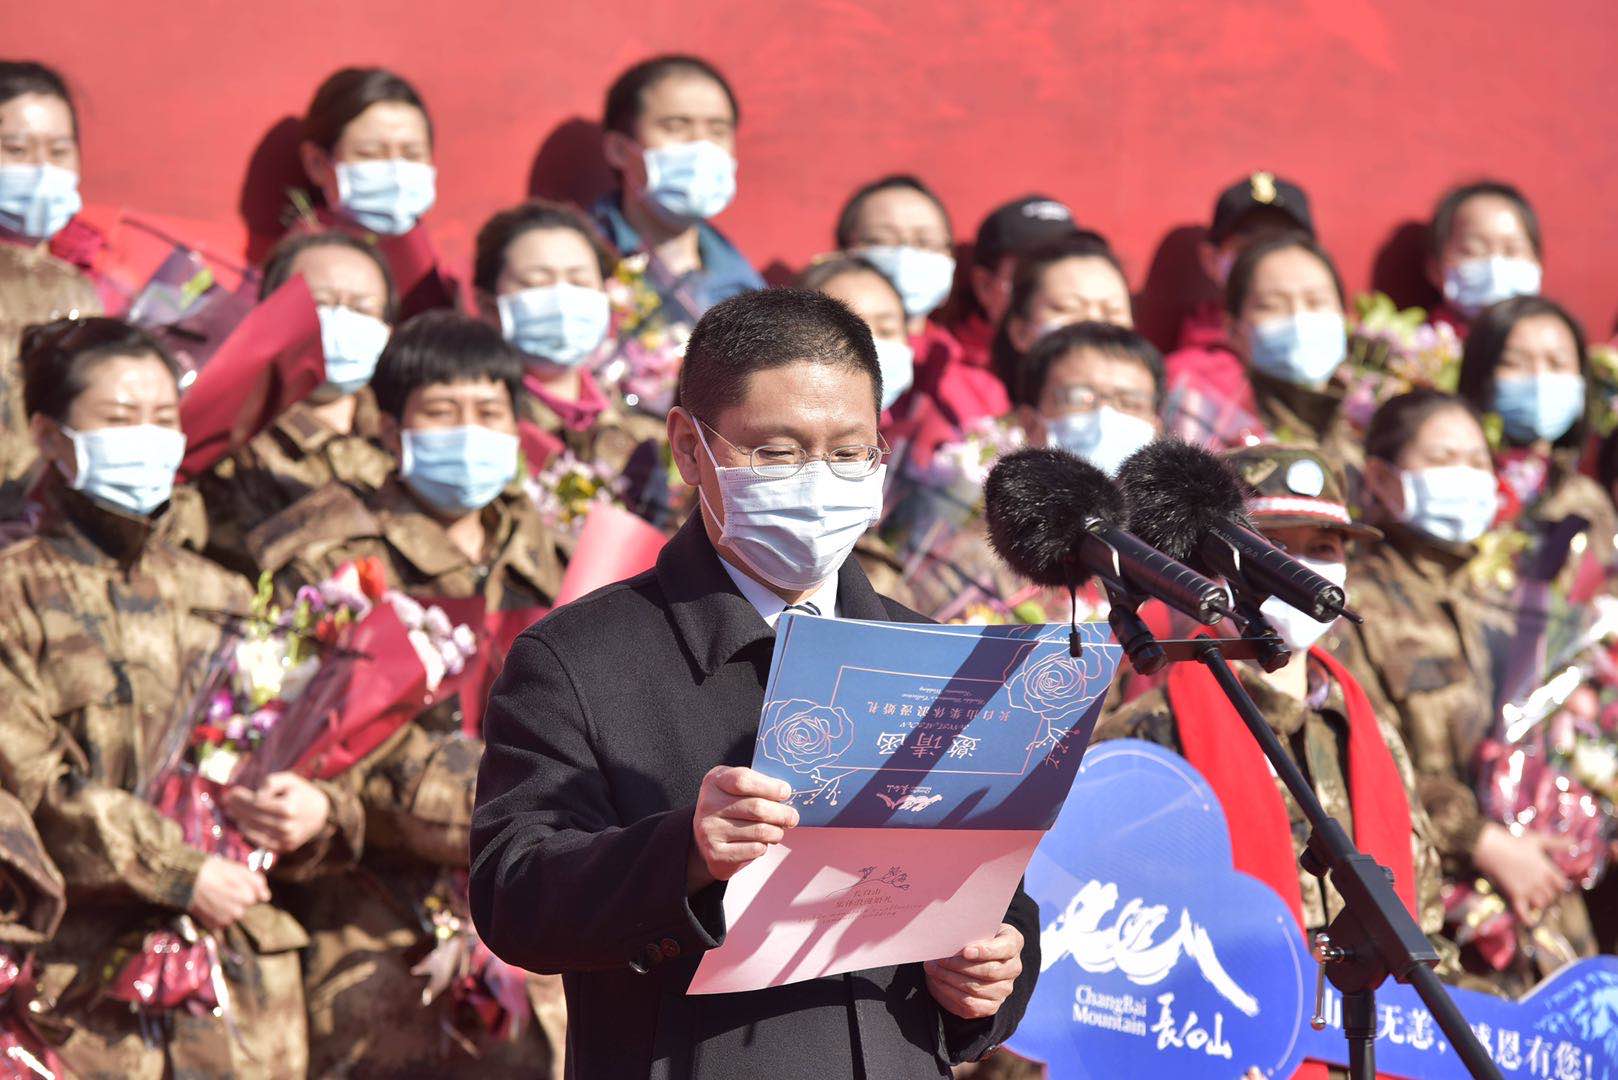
(1191, 505)
(1056, 519)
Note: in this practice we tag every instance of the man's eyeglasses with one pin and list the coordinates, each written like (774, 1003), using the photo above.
(1088, 399)
(854, 462)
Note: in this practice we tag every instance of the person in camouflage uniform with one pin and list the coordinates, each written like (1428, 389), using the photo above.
(372, 929)
(540, 272)
(333, 435)
(1298, 502)
(1423, 657)
(103, 626)
(1278, 278)
(34, 288)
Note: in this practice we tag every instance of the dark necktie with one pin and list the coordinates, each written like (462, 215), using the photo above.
(803, 608)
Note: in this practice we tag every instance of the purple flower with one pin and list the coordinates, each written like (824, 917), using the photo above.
(220, 708)
(803, 735)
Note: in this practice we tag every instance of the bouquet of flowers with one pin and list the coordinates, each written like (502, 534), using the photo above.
(1392, 350)
(653, 320)
(23, 1051)
(1549, 769)
(566, 489)
(310, 688)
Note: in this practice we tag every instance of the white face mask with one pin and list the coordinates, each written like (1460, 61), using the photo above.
(1297, 629)
(128, 467)
(1104, 437)
(898, 363)
(563, 324)
(1477, 283)
(794, 533)
(1305, 349)
(689, 182)
(36, 201)
(1456, 503)
(922, 277)
(352, 343)
(387, 197)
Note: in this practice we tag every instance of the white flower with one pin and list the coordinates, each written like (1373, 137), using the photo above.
(1596, 763)
(431, 660)
(260, 668)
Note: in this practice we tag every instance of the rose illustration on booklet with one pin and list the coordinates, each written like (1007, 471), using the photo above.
(1059, 687)
(804, 736)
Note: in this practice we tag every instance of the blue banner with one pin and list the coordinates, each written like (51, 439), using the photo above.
(1160, 959)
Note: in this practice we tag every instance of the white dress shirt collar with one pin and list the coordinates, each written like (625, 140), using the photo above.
(769, 606)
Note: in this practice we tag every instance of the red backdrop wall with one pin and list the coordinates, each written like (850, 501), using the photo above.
(1134, 112)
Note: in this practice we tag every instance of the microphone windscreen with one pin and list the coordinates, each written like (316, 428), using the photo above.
(1036, 503)
(1175, 492)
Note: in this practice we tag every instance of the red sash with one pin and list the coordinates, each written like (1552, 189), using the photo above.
(1218, 744)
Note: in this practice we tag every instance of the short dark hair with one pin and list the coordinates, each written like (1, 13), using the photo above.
(1450, 203)
(624, 97)
(19, 77)
(500, 231)
(758, 331)
(824, 271)
(849, 216)
(1034, 367)
(1025, 281)
(278, 265)
(442, 347)
(1240, 282)
(58, 359)
(1398, 419)
(347, 93)
(1486, 343)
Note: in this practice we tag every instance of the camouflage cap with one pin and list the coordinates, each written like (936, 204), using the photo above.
(1295, 485)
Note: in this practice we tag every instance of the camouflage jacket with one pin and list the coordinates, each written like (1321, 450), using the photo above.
(1422, 657)
(1302, 415)
(310, 539)
(100, 630)
(417, 790)
(294, 456)
(1316, 734)
(32, 893)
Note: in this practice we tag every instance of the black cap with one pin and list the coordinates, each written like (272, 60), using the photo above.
(1020, 225)
(1259, 191)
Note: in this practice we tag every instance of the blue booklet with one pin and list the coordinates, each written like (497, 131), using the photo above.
(925, 763)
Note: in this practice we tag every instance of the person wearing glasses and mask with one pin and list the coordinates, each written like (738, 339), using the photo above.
(613, 799)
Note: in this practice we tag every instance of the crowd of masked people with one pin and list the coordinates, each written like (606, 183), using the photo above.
(462, 424)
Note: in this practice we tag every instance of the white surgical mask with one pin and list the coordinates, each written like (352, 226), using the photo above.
(1477, 283)
(1296, 628)
(795, 532)
(898, 363)
(1456, 503)
(1304, 349)
(689, 182)
(562, 324)
(387, 197)
(37, 200)
(130, 467)
(352, 343)
(1104, 437)
(922, 277)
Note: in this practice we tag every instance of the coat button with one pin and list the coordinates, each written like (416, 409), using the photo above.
(671, 948)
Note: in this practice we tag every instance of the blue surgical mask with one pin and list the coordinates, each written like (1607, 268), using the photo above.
(898, 363)
(1456, 503)
(922, 277)
(459, 469)
(1477, 283)
(561, 324)
(37, 200)
(1534, 407)
(129, 468)
(1304, 349)
(1104, 437)
(689, 182)
(387, 197)
(352, 342)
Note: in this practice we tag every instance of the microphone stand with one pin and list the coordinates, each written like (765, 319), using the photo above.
(1374, 936)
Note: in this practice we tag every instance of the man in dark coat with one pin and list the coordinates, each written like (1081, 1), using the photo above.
(613, 804)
